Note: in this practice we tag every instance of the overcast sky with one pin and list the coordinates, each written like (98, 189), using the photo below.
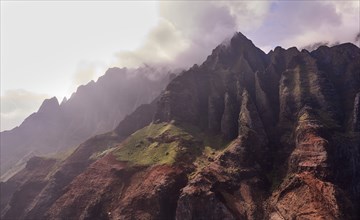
(48, 48)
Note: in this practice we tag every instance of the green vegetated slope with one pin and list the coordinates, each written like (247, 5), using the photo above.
(165, 143)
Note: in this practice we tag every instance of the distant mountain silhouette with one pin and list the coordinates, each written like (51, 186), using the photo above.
(93, 109)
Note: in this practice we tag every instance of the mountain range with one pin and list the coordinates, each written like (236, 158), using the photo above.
(244, 135)
(95, 108)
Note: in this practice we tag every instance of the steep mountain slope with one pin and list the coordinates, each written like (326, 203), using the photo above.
(43, 180)
(245, 135)
(93, 109)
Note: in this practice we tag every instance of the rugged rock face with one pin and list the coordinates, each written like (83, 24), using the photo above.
(152, 190)
(232, 185)
(95, 108)
(245, 135)
(306, 190)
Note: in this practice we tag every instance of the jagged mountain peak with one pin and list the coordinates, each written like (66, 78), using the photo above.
(238, 49)
(280, 50)
(346, 47)
(49, 105)
(238, 43)
(64, 100)
(239, 40)
(340, 51)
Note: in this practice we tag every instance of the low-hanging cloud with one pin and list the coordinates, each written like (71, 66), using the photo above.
(303, 23)
(185, 35)
(163, 43)
(316, 45)
(188, 31)
(16, 105)
(85, 72)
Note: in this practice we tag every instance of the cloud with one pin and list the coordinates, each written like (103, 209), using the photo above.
(188, 31)
(84, 73)
(162, 44)
(316, 45)
(298, 23)
(248, 15)
(16, 105)
(205, 25)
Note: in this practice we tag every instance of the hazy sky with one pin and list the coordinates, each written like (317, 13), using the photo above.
(48, 48)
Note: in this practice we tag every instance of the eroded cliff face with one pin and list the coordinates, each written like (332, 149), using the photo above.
(245, 135)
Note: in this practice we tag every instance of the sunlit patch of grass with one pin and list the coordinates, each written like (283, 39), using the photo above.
(165, 143)
(154, 144)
